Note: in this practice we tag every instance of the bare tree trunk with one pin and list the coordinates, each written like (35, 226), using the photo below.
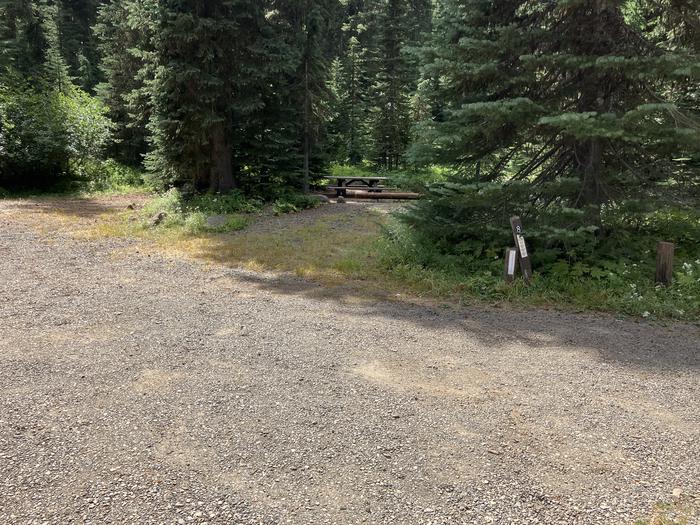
(221, 171)
(589, 157)
(307, 112)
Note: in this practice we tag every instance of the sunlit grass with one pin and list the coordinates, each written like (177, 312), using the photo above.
(351, 249)
(681, 512)
(330, 251)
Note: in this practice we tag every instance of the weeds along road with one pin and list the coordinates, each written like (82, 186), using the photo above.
(138, 388)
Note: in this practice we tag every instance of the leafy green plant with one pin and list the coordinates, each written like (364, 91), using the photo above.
(474, 271)
(221, 204)
(46, 133)
(293, 203)
(191, 215)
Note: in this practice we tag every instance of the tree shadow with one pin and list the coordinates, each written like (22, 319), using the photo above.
(79, 207)
(616, 341)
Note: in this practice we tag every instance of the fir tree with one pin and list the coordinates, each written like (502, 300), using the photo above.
(202, 53)
(125, 31)
(566, 107)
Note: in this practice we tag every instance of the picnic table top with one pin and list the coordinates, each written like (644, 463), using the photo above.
(354, 177)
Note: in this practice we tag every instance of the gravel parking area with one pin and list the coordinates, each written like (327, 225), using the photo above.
(137, 388)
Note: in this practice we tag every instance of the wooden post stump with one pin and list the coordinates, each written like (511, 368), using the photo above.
(664, 262)
(525, 264)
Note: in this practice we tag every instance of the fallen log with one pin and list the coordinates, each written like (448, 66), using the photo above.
(359, 194)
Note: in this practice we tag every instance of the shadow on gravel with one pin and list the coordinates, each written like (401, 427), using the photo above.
(617, 341)
(81, 208)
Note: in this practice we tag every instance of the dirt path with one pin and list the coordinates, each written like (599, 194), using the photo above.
(143, 389)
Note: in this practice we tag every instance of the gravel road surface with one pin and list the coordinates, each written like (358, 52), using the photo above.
(137, 388)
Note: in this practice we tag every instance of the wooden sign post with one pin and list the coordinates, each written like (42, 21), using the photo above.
(511, 265)
(520, 245)
(664, 263)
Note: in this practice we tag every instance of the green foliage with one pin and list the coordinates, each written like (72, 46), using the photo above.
(107, 176)
(616, 285)
(415, 179)
(222, 204)
(43, 132)
(351, 170)
(418, 179)
(294, 203)
(125, 39)
(189, 215)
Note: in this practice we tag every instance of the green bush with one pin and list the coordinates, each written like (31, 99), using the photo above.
(190, 215)
(218, 204)
(43, 133)
(624, 284)
(93, 175)
(417, 180)
(409, 179)
(348, 171)
(294, 202)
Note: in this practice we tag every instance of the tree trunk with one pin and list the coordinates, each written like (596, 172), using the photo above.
(589, 156)
(221, 170)
(307, 111)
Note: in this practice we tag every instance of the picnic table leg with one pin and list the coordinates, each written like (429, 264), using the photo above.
(340, 192)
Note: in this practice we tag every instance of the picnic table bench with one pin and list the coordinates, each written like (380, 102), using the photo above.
(370, 184)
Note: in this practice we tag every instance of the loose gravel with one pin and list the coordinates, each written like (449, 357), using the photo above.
(138, 388)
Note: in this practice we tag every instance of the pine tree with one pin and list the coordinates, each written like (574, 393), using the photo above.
(350, 85)
(203, 53)
(391, 115)
(125, 31)
(75, 19)
(566, 107)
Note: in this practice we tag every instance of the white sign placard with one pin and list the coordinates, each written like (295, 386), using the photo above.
(511, 262)
(521, 245)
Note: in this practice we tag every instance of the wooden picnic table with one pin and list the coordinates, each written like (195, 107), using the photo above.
(371, 184)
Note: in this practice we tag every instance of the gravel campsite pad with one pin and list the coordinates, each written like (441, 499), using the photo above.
(138, 388)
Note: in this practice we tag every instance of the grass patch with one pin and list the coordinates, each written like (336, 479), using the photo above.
(682, 512)
(374, 252)
(332, 251)
(201, 214)
(621, 287)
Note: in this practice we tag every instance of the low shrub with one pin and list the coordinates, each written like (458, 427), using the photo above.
(96, 176)
(621, 284)
(191, 215)
(294, 202)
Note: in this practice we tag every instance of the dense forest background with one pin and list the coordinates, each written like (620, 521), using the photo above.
(580, 116)
(222, 94)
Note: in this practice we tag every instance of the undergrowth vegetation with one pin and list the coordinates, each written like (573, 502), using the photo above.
(172, 211)
(213, 212)
(619, 278)
(378, 253)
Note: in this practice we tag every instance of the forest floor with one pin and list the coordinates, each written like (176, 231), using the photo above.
(141, 385)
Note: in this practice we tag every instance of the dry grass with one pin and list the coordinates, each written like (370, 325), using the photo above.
(683, 511)
(334, 249)
(329, 251)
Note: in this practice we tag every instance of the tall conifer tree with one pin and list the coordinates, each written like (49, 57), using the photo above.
(567, 108)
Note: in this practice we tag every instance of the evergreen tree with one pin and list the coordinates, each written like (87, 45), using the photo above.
(125, 31)
(391, 115)
(75, 19)
(203, 63)
(47, 125)
(566, 108)
(349, 123)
